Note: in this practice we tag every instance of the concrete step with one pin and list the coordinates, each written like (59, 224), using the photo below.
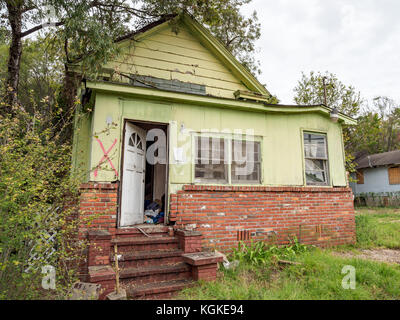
(138, 259)
(160, 290)
(130, 244)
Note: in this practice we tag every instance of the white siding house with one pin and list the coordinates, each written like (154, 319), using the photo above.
(378, 178)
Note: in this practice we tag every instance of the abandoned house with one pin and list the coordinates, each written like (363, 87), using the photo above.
(377, 180)
(181, 153)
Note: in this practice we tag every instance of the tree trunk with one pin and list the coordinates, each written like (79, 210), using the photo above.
(14, 59)
(67, 101)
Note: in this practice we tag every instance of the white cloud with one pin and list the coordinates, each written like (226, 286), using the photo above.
(359, 41)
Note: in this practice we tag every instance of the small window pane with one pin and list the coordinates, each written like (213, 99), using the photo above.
(252, 177)
(132, 140)
(210, 159)
(246, 166)
(315, 146)
(314, 165)
(315, 177)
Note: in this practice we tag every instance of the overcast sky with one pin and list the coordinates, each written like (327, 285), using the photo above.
(358, 40)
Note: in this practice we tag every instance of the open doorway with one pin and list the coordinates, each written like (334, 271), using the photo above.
(143, 194)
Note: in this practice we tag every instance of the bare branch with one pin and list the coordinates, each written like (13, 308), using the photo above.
(40, 27)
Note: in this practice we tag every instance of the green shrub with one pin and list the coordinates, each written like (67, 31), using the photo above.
(35, 188)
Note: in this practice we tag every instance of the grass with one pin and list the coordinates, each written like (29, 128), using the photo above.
(319, 274)
(378, 227)
(319, 277)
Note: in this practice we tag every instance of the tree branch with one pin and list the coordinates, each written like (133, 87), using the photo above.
(39, 27)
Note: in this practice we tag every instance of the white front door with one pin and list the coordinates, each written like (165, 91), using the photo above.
(132, 198)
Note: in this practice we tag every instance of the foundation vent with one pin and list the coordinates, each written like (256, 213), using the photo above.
(243, 235)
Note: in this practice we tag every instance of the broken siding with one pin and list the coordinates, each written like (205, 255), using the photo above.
(180, 57)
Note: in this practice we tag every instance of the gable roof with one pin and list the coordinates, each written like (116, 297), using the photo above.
(209, 41)
(379, 160)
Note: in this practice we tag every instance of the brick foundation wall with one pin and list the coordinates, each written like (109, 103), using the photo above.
(319, 216)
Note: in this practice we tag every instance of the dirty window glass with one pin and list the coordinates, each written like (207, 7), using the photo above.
(211, 162)
(246, 162)
(316, 159)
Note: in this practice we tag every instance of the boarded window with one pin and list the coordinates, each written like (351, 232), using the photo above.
(316, 159)
(394, 175)
(360, 177)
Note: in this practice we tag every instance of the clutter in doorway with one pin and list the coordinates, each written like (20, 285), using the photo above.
(153, 212)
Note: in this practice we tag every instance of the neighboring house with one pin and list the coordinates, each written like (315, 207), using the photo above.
(378, 177)
(233, 167)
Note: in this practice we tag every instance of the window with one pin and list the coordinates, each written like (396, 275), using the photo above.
(394, 175)
(316, 159)
(135, 141)
(211, 160)
(360, 177)
(223, 160)
(246, 162)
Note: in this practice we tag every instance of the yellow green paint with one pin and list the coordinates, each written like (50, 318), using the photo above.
(280, 132)
(194, 56)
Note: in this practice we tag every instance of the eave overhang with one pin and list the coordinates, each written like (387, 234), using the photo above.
(129, 91)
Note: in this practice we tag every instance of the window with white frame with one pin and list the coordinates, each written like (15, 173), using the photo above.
(316, 159)
(227, 161)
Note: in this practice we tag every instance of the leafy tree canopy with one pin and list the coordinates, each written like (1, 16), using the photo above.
(310, 90)
(87, 28)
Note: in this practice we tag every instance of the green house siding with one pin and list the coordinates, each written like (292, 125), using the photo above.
(82, 145)
(174, 56)
(280, 132)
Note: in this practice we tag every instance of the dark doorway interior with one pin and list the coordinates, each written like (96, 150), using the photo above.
(156, 173)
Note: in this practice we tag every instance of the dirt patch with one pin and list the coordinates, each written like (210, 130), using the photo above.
(383, 255)
(388, 221)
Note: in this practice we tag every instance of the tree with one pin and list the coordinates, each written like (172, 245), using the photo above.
(378, 130)
(310, 90)
(236, 32)
(88, 29)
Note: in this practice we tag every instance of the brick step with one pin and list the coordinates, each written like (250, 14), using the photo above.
(131, 244)
(161, 290)
(152, 230)
(155, 274)
(149, 258)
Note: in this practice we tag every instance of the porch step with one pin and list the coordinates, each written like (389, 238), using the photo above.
(153, 230)
(161, 290)
(139, 272)
(149, 258)
(155, 274)
(129, 244)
